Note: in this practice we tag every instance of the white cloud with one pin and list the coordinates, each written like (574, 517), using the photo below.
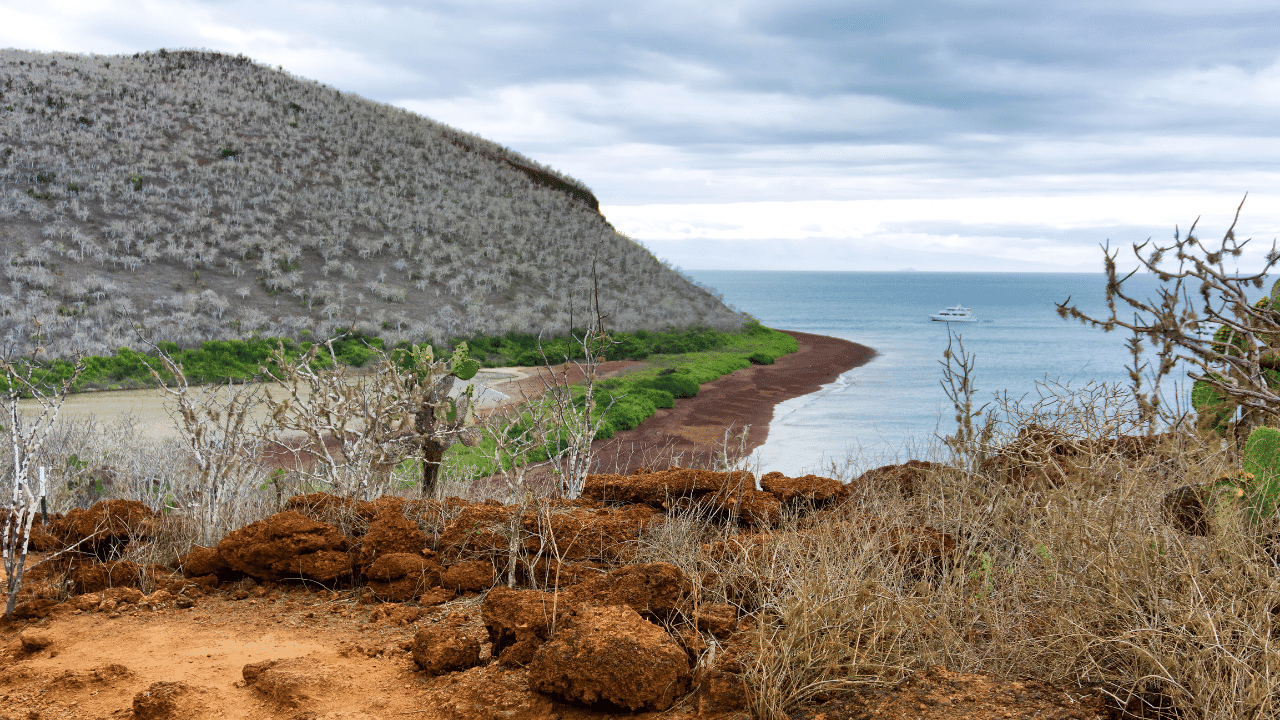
(1017, 232)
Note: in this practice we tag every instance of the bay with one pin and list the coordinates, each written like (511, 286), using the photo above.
(893, 408)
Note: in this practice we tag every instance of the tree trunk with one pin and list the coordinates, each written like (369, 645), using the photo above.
(432, 457)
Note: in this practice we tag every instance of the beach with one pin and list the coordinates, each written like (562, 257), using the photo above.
(694, 431)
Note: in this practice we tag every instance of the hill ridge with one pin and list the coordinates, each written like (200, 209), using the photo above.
(191, 195)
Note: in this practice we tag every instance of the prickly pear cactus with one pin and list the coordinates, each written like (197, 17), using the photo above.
(1262, 461)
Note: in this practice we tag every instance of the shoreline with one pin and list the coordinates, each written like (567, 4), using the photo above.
(694, 430)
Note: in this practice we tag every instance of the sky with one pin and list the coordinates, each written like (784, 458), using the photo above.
(973, 135)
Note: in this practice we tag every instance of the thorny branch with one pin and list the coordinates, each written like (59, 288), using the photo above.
(1236, 368)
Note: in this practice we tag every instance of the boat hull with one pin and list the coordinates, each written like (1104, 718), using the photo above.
(937, 318)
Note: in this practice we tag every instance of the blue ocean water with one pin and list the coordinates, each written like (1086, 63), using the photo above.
(892, 408)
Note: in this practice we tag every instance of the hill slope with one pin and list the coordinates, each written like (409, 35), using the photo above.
(204, 196)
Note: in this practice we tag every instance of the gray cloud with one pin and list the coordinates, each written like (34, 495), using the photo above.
(707, 102)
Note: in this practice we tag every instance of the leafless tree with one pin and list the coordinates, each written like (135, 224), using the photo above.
(1201, 315)
(27, 435)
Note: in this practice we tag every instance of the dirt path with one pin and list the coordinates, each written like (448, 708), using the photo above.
(695, 428)
(350, 661)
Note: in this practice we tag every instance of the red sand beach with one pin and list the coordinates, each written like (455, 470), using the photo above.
(695, 428)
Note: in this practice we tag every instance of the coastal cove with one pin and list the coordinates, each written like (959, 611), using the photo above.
(893, 407)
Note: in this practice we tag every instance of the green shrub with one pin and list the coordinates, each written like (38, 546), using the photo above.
(759, 358)
(681, 385)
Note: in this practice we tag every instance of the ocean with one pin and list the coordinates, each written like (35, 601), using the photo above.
(893, 408)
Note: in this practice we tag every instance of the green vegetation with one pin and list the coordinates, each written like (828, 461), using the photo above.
(242, 360)
(630, 399)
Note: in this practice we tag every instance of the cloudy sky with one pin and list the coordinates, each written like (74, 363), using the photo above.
(793, 134)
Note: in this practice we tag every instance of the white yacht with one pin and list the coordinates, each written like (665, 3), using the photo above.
(955, 314)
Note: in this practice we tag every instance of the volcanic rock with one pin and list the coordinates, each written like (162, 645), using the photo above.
(390, 532)
(612, 655)
(474, 576)
(287, 544)
(402, 576)
(444, 648)
(808, 489)
(168, 701)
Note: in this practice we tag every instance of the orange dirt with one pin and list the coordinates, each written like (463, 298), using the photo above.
(616, 639)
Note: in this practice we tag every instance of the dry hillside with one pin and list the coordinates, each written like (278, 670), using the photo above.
(205, 196)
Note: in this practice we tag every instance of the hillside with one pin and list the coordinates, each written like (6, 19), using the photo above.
(201, 196)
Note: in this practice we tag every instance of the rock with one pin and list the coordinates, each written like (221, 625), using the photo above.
(730, 494)
(476, 575)
(402, 576)
(90, 577)
(106, 527)
(34, 609)
(390, 532)
(512, 616)
(657, 589)
(442, 648)
(289, 682)
(168, 701)
(282, 545)
(908, 477)
(201, 561)
(32, 642)
(812, 490)
(612, 655)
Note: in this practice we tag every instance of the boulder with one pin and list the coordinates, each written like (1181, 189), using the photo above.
(473, 576)
(402, 576)
(810, 490)
(201, 561)
(106, 527)
(287, 545)
(611, 655)
(92, 577)
(440, 649)
(390, 532)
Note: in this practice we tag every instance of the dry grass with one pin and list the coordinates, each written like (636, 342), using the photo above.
(1084, 583)
(1051, 557)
